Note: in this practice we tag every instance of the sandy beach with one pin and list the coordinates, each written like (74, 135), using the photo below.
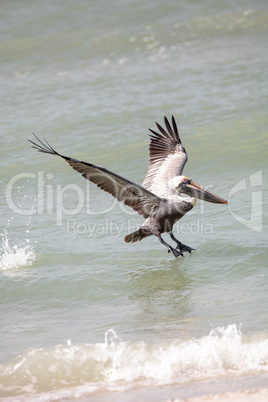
(255, 395)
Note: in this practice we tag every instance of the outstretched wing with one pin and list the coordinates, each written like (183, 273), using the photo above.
(133, 195)
(167, 159)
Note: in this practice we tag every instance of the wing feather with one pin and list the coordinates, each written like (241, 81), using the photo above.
(167, 158)
(133, 195)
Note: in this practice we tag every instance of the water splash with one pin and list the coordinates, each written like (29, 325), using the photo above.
(17, 256)
(111, 338)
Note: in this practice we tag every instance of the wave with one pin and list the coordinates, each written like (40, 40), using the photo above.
(115, 365)
(12, 257)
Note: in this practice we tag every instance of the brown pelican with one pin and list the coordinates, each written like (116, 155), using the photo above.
(164, 197)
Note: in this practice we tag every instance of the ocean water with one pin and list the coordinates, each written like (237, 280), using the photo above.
(85, 316)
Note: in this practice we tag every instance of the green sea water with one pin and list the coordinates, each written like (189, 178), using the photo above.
(84, 315)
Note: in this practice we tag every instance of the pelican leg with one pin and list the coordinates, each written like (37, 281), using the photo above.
(182, 247)
(175, 252)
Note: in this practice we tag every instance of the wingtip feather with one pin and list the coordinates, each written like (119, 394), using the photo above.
(40, 146)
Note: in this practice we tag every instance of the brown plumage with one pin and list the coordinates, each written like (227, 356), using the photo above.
(159, 199)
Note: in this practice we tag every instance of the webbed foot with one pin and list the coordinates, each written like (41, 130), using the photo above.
(175, 252)
(183, 248)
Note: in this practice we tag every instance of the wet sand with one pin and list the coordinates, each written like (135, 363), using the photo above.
(255, 395)
(243, 389)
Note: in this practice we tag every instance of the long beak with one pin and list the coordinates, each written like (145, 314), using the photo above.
(194, 190)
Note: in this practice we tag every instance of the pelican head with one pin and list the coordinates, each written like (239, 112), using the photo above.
(187, 186)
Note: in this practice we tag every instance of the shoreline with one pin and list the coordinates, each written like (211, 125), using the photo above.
(253, 395)
(242, 389)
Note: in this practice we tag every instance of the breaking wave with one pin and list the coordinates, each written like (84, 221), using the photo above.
(115, 365)
(12, 257)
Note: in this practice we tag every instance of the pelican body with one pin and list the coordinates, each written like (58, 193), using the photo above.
(165, 195)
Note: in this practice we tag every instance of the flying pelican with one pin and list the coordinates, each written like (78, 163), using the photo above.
(165, 195)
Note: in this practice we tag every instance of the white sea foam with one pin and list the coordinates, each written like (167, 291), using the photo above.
(12, 257)
(117, 365)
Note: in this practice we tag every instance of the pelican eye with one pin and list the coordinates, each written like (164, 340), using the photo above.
(186, 181)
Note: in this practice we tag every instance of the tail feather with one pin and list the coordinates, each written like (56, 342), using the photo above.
(136, 236)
